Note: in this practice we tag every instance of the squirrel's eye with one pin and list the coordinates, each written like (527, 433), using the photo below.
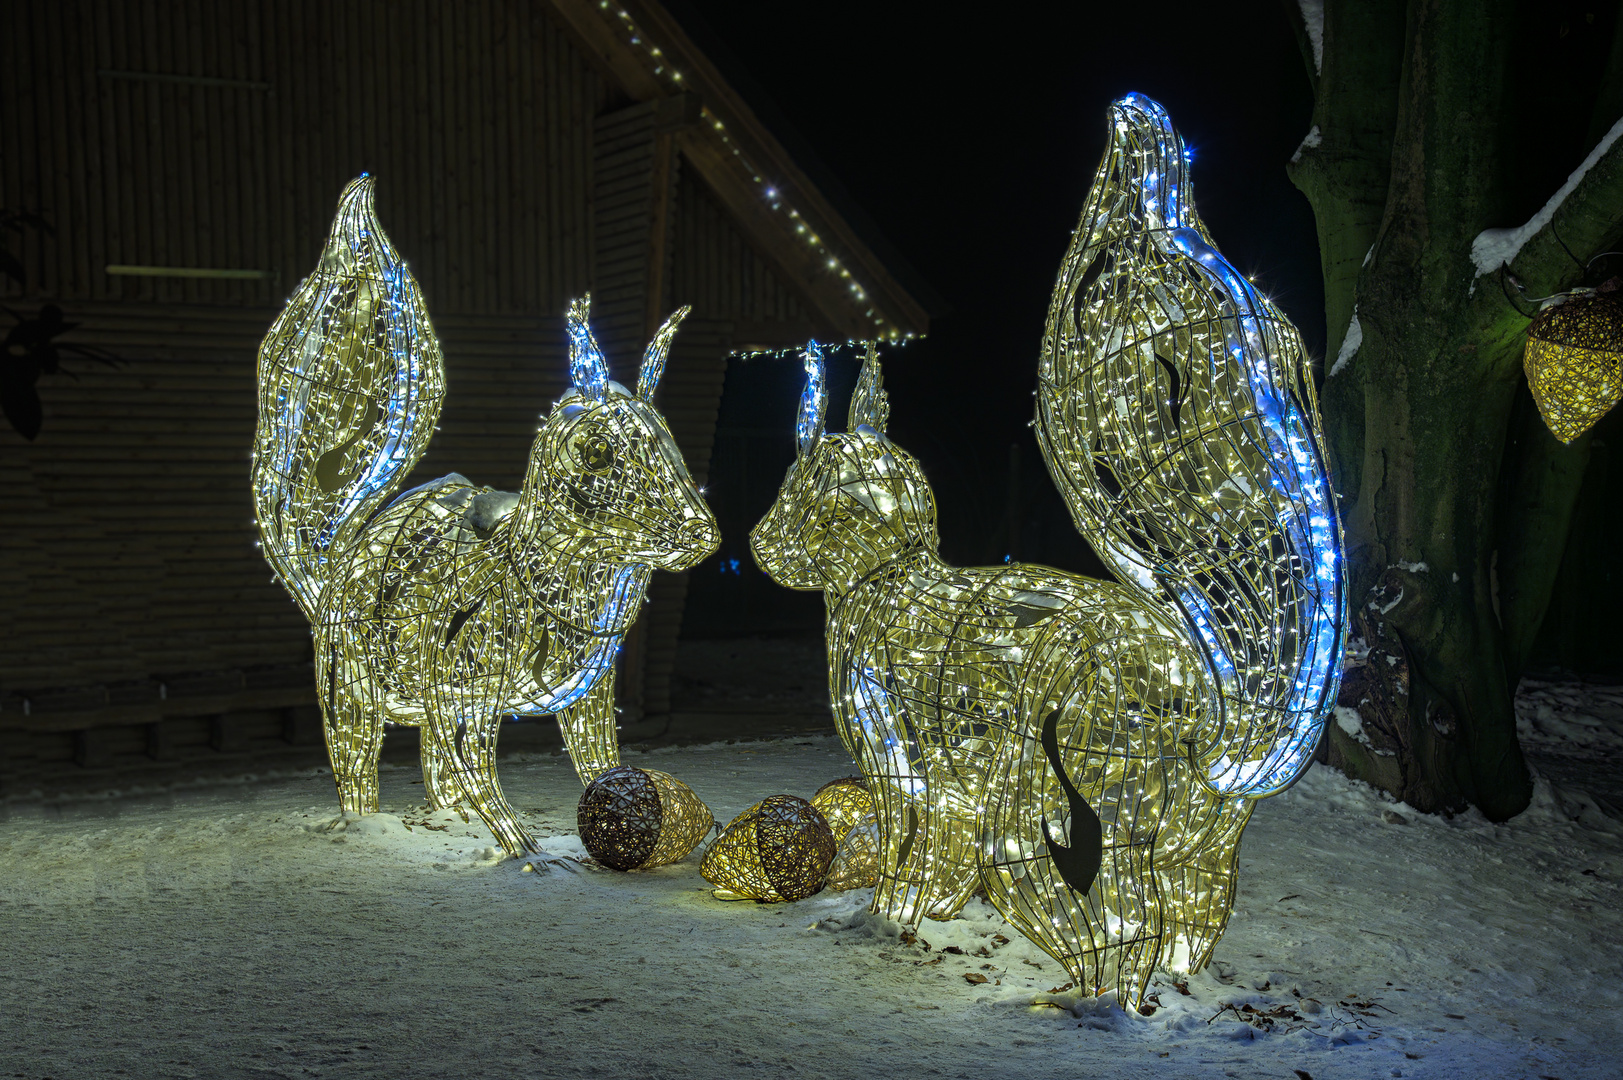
(593, 452)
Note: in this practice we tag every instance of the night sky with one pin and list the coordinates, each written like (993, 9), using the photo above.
(968, 144)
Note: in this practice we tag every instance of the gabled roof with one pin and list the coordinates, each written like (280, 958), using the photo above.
(775, 205)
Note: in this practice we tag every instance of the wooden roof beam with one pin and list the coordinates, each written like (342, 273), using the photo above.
(776, 205)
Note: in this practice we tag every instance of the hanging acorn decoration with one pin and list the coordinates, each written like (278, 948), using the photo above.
(1574, 359)
(637, 819)
(778, 849)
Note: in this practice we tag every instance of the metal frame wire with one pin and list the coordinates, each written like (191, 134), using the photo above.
(1089, 752)
(452, 606)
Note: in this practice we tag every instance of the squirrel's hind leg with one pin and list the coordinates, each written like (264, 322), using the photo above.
(1108, 938)
(440, 785)
(1197, 891)
(1107, 931)
(928, 866)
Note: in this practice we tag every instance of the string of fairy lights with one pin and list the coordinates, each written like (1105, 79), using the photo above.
(857, 348)
(771, 192)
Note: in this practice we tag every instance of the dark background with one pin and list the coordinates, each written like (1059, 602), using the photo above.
(962, 146)
(972, 143)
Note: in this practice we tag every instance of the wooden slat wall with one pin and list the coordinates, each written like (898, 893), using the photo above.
(509, 174)
(690, 397)
(129, 546)
(475, 116)
(621, 208)
(717, 271)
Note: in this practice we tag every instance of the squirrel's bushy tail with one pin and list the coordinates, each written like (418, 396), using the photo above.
(1178, 416)
(350, 386)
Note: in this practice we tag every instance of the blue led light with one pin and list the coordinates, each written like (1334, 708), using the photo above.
(1306, 518)
(813, 399)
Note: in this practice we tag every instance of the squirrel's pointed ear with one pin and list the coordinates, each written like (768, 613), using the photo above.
(869, 403)
(813, 413)
(588, 371)
(653, 361)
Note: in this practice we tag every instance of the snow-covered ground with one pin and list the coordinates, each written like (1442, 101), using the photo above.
(240, 930)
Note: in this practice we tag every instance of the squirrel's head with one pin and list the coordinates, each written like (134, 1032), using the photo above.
(606, 470)
(851, 502)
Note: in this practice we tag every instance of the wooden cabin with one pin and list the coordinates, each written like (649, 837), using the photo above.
(169, 173)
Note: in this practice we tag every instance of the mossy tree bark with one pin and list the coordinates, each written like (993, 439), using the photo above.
(1455, 498)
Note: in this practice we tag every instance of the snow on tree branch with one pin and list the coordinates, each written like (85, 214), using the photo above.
(1310, 141)
(1494, 248)
(1313, 20)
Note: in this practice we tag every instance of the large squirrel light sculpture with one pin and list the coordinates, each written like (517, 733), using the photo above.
(1088, 752)
(451, 606)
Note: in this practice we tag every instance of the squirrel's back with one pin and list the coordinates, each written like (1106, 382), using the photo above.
(350, 386)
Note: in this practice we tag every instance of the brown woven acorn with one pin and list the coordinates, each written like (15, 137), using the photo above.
(637, 819)
(778, 849)
(1574, 360)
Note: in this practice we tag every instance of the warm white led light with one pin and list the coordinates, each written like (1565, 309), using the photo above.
(452, 606)
(1088, 752)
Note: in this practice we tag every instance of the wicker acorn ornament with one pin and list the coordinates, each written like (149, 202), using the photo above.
(848, 806)
(778, 849)
(1574, 360)
(637, 819)
(844, 803)
(856, 864)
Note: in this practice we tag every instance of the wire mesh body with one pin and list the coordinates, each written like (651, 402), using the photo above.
(452, 605)
(778, 849)
(639, 819)
(1178, 418)
(1574, 362)
(1076, 746)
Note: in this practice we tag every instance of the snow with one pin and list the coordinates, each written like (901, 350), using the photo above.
(249, 930)
(1494, 248)
(1350, 341)
(1412, 567)
(1309, 141)
(1313, 19)
(1351, 723)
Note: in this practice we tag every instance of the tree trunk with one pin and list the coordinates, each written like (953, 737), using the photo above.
(1452, 557)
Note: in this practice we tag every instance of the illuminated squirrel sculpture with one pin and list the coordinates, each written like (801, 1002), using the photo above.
(1088, 752)
(451, 606)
